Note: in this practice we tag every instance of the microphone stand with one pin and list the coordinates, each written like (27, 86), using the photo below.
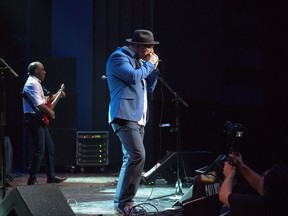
(3, 123)
(176, 129)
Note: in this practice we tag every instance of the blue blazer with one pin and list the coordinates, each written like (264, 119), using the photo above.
(125, 86)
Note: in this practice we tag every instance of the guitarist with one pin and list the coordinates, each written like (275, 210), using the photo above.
(37, 133)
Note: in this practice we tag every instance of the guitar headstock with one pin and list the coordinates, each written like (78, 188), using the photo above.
(62, 87)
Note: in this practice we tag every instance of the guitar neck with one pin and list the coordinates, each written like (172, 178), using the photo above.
(57, 97)
(55, 101)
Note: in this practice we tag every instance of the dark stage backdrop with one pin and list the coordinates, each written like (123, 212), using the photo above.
(12, 50)
(226, 59)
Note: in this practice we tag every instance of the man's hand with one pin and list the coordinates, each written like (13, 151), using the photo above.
(237, 160)
(63, 94)
(152, 57)
(229, 170)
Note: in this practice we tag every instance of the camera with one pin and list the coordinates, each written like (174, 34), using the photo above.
(235, 131)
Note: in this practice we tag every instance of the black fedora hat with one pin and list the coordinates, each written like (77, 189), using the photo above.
(141, 36)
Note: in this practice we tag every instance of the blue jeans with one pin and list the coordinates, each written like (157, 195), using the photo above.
(41, 143)
(131, 135)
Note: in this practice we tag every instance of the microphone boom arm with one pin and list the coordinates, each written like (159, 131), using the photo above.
(177, 97)
(9, 68)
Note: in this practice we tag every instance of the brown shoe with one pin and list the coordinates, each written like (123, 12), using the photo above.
(56, 179)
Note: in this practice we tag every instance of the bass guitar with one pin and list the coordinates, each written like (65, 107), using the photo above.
(51, 104)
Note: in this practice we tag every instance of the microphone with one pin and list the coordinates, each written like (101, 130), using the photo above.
(103, 77)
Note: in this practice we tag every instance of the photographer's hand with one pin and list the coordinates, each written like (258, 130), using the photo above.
(229, 170)
(253, 178)
(237, 160)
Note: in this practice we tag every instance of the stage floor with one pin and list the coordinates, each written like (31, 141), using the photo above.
(92, 193)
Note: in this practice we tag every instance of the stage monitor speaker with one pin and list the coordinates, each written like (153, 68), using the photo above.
(166, 168)
(214, 170)
(204, 206)
(203, 186)
(35, 200)
(188, 195)
(216, 166)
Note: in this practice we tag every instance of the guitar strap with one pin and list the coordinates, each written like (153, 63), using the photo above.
(46, 91)
(35, 109)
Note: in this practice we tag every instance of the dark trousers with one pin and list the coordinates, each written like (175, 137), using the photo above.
(40, 144)
(131, 135)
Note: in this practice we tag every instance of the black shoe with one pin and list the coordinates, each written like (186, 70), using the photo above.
(32, 182)
(131, 211)
(56, 179)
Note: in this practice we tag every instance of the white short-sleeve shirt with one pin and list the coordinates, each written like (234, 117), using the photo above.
(34, 91)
